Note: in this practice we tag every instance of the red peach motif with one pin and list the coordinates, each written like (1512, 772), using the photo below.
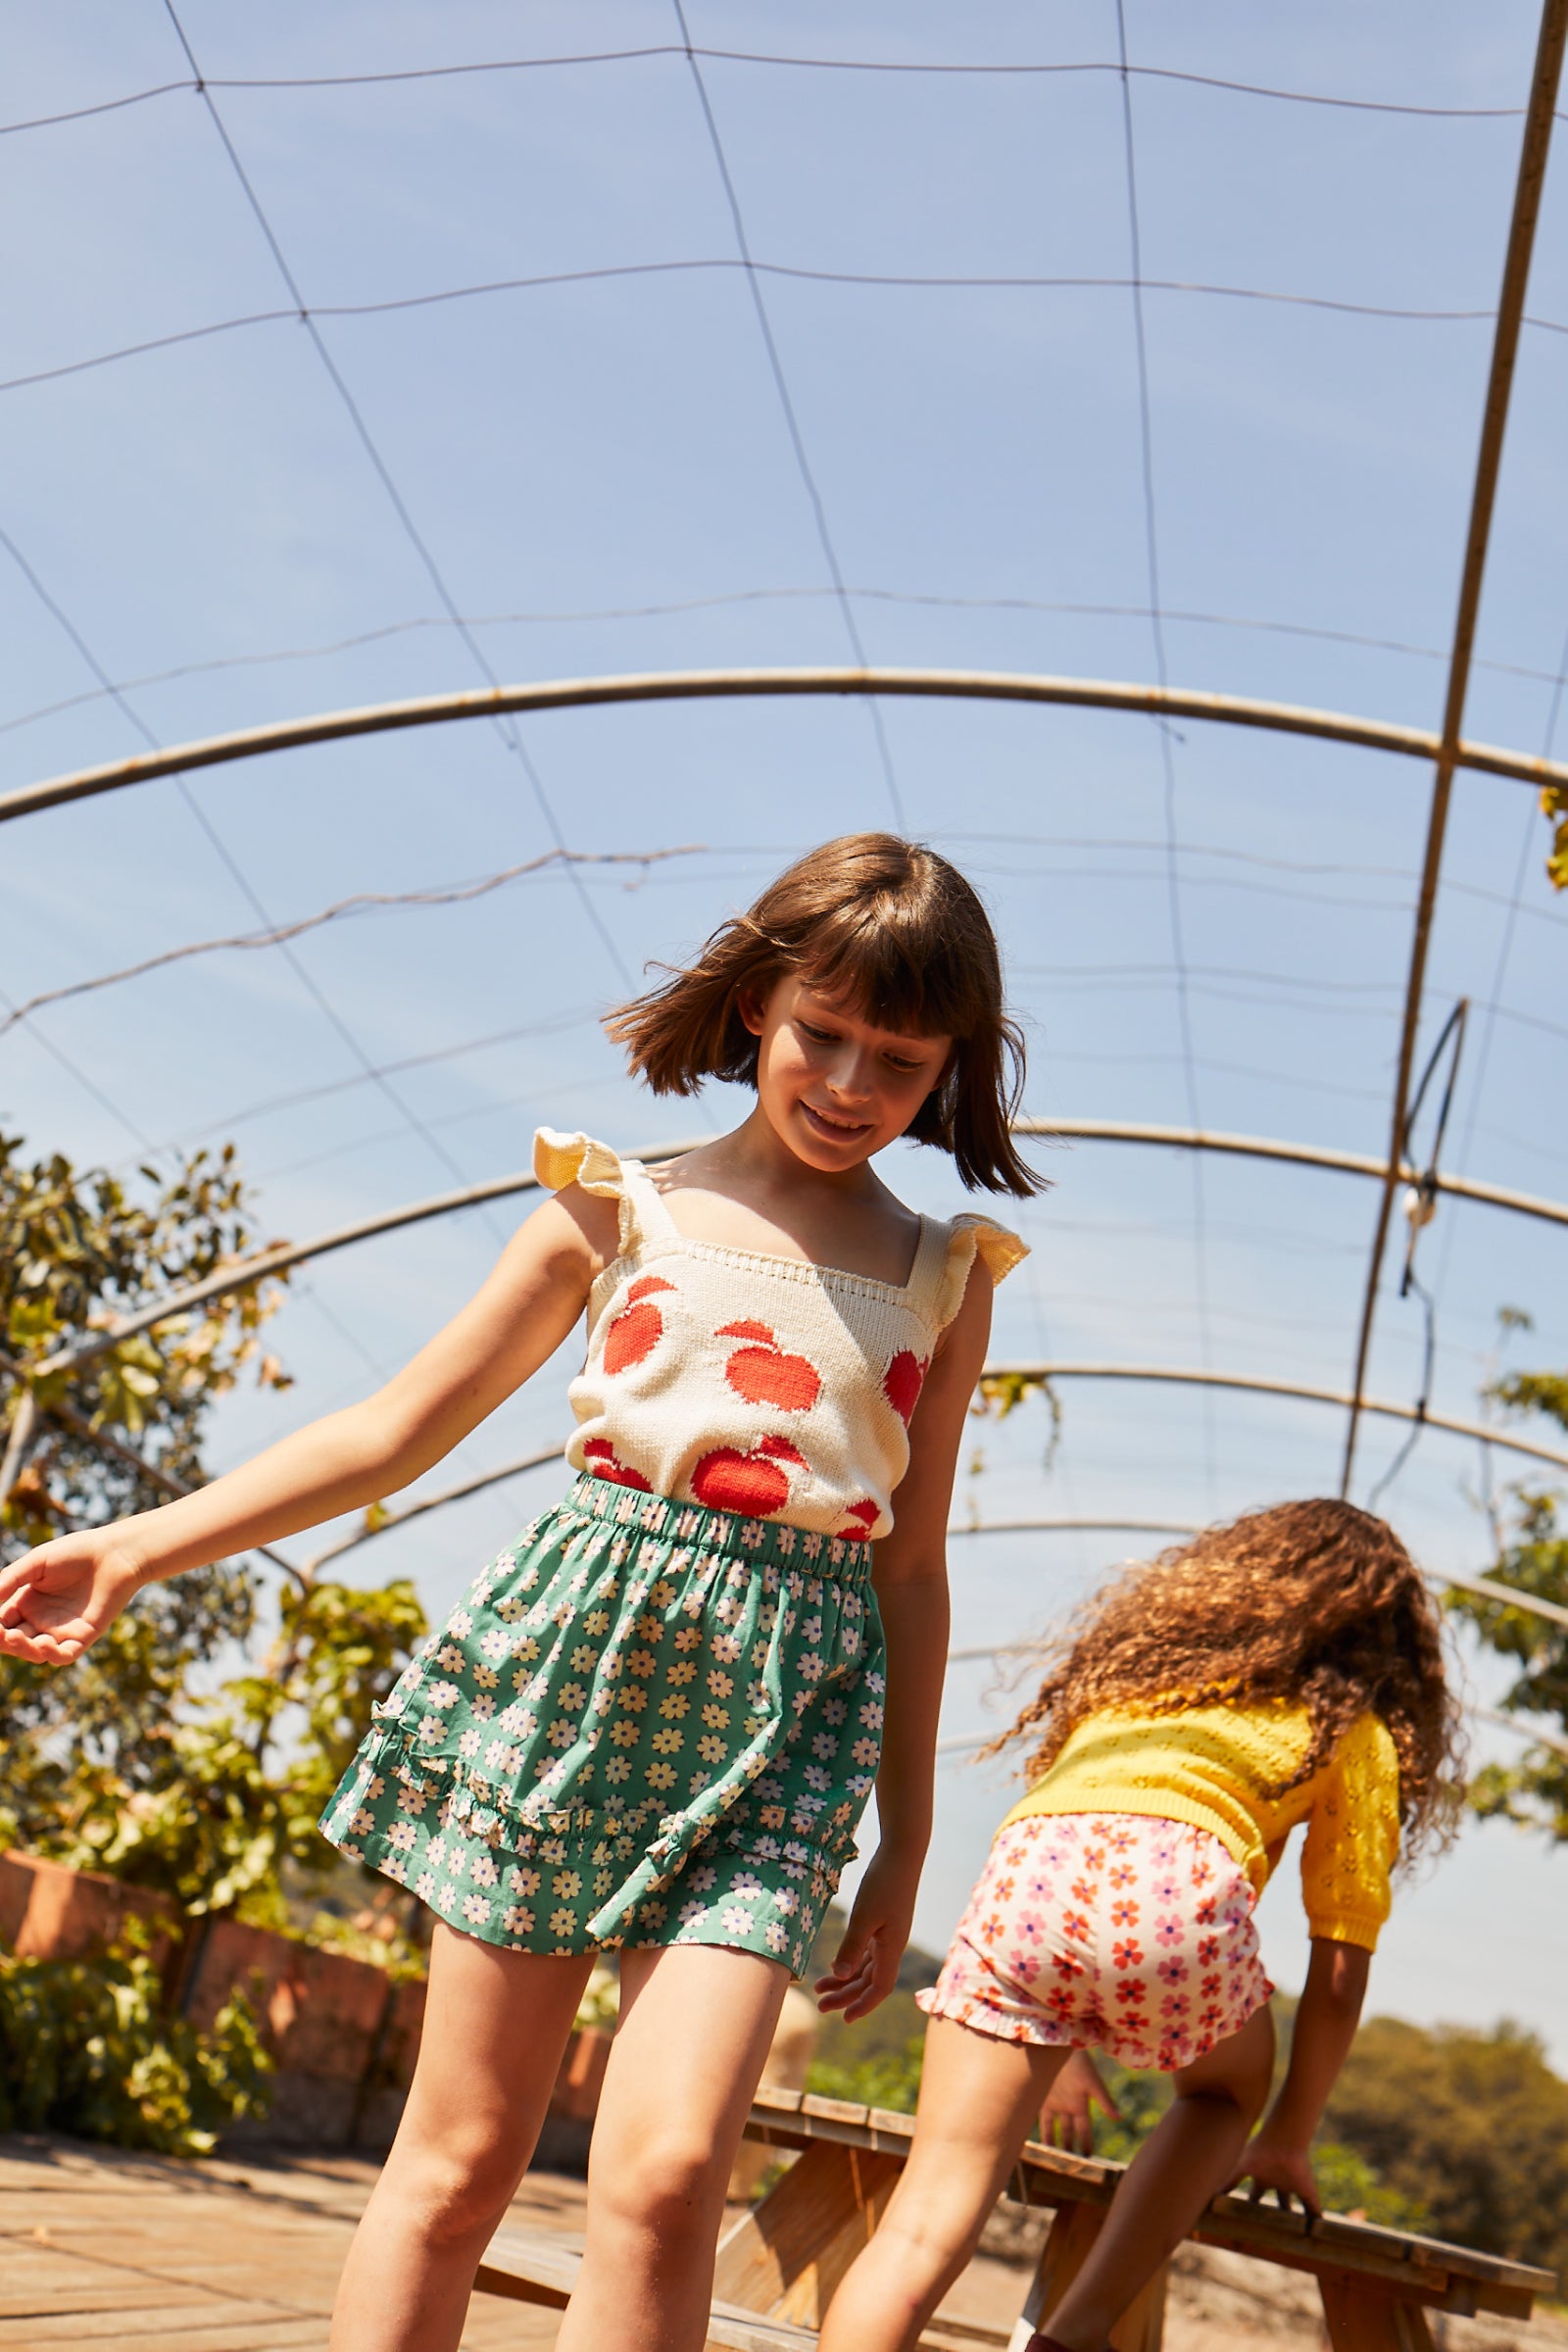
(639, 1327)
(754, 1485)
(599, 1459)
(763, 1374)
(901, 1383)
(863, 1517)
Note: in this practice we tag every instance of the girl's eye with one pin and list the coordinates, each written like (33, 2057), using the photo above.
(821, 1037)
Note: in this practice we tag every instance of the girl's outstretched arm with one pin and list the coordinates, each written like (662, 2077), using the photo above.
(56, 1600)
(910, 1574)
(1326, 2020)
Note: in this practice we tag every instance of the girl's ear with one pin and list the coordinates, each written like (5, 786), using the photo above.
(752, 997)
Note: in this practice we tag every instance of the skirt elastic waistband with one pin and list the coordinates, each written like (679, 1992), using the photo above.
(765, 1542)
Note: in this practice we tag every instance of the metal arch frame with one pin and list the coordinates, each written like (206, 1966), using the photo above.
(1305, 1155)
(497, 1188)
(654, 686)
(1258, 1384)
(1483, 1587)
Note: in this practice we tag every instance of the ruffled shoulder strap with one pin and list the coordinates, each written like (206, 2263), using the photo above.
(563, 1160)
(969, 1236)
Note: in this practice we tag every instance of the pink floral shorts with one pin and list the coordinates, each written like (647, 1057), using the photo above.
(1113, 1928)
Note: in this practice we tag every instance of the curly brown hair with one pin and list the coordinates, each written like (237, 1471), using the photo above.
(1316, 1603)
(896, 928)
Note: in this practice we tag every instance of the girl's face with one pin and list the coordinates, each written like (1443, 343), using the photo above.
(833, 1086)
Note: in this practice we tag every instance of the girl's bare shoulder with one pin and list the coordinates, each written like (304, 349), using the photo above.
(576, 1229)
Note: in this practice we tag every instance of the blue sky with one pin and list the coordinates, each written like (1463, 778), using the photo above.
(601, 476)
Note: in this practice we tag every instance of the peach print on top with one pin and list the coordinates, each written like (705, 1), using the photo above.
(763, 1374)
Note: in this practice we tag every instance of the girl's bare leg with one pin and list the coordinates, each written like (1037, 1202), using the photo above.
(495, 2025)
(1184, 2162)
(978, 2098)
(696, 2024)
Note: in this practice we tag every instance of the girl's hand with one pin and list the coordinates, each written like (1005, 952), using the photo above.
(58, 1599)
(1067, 2119)
(1280, 2166)
(865, 1966)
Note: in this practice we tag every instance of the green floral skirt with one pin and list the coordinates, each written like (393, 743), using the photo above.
(646, 1723)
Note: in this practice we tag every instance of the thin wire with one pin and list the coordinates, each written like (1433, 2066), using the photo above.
(369, 901)
(1420, 1204)
(241, 880)
(1527, 849)
(751, 57)
(1184, 1015)
(790, 421)
(506, 727)
(90, 1084)
(752, 596)
(754, 272)
(409, 1062)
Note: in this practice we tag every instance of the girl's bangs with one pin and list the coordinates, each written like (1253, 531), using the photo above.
(900, 972)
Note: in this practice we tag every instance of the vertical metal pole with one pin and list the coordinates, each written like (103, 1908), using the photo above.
(1494, 417)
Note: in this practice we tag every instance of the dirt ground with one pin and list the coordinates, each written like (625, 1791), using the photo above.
(100, 2248)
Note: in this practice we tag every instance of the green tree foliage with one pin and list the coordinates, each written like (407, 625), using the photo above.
(1534, 1560)
(232, 1803)
(879, 2078)
(86, 2047)
(1554, 802)
(115, 1764)
(1471, 2127)
(76, 1252)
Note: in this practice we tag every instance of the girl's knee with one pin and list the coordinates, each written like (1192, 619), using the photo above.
(456, 2185)
(673, 2186)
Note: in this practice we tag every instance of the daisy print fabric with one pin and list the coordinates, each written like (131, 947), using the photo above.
(646, 1722)
(1115, 1930)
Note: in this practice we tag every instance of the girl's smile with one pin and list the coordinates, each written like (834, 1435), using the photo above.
(835, 1086)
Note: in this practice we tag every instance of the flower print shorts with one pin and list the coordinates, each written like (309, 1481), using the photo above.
(1112, 1930)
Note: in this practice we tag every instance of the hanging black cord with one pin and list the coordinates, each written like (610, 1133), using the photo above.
(1420, 1205)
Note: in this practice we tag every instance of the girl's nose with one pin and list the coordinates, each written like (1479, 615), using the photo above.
(852, 1077)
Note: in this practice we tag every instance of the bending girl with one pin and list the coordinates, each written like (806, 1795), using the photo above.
(1285, 1669)
(655, 1721)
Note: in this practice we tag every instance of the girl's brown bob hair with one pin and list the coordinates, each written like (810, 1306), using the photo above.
(888, 926)
(1316, 1603)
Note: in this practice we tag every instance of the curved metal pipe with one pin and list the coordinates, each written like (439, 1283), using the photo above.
(1305, 1155)
(232, 1278)
(1258, 1384)
(690, 685)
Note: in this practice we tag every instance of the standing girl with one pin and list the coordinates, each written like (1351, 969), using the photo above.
(655, 1721)
(1282, 1670)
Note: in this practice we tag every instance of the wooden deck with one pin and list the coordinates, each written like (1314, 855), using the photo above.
(99, 2249)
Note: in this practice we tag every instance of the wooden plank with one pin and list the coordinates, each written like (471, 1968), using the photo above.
(1370, 2318)
(787, 2257)
(1455, 2279)
(217, 2329)
(531, 2267)
(1073, 2232)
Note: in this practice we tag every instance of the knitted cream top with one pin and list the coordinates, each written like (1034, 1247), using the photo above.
(1214, 1766)
(770, 1387)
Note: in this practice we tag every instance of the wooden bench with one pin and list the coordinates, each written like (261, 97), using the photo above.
(779, 2265)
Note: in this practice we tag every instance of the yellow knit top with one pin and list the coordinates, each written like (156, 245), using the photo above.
(1214, 1766)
